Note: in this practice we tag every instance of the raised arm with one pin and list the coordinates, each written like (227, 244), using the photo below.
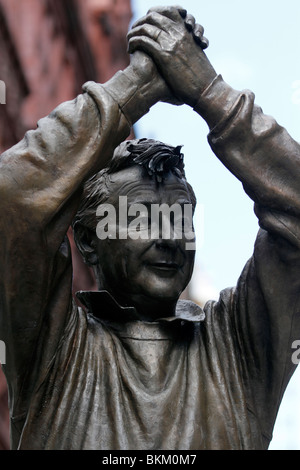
(42, 172)
(265, 306)
(179, 56)
(40, 185)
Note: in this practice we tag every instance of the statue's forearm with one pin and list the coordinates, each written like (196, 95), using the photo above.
(42, 171)
(259, 152)
(76, 140)
(216, 101)
(134, 94)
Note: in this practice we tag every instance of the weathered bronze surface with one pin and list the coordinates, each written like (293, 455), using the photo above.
(136, 368)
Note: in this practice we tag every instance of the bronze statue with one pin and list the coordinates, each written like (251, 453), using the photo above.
(136, 368)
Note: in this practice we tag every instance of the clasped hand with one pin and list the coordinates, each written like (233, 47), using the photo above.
(175, 43)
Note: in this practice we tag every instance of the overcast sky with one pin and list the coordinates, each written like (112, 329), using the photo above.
(255, 45)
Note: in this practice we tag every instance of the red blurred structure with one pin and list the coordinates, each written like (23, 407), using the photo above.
(49, 48)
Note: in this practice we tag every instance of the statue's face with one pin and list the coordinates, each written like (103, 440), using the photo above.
(139, 268)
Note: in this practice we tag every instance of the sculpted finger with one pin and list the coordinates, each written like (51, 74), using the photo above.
(202, 42)
(155, 19)
(198, 36)
(139, 22)
(189, 22)
(198, 30)
(148, 30)
(143, 43)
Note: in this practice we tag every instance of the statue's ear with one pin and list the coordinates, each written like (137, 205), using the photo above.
(85, 240)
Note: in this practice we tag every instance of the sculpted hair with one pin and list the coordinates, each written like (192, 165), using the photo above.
(157, 159)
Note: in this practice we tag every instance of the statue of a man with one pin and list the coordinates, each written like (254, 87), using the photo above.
(136, 368)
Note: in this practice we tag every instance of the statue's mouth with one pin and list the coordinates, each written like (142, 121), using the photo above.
(165, 266)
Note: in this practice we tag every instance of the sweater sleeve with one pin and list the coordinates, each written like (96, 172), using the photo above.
(40, 186)
(265, 305)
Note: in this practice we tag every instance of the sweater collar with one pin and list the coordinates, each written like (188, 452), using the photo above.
(103, 305)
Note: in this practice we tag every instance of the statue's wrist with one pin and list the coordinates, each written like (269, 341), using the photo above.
(215, 101)
(134, 95)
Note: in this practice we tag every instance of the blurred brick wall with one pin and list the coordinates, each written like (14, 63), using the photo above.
(49, 48)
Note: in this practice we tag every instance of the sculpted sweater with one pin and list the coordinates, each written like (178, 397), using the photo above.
(96, 378)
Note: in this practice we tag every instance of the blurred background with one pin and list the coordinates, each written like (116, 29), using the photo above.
(49, 48)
